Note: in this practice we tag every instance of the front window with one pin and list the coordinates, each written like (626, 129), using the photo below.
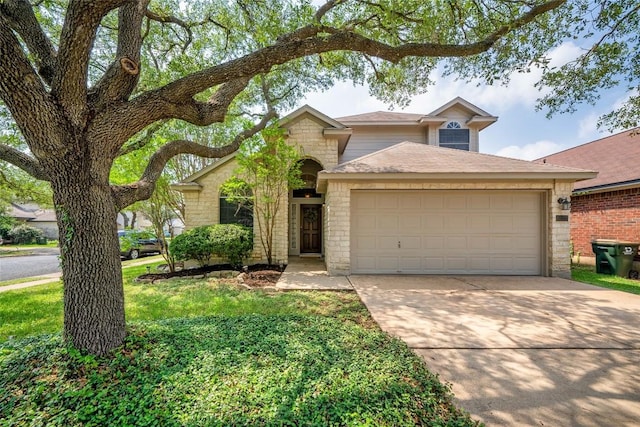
(454, 137)
(235, 213)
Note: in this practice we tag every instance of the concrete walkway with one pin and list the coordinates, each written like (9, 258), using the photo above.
(310, 273)
(54, 277)
(519, 351)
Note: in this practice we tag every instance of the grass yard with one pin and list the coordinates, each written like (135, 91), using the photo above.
(587, 274)
(204, 353)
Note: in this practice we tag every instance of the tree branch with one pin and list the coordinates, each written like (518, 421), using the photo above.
(123, 74)
(164, 19)
(23, 161)
(142, 141)
(69, 84)
(125, 195)
(316, 40)
(196, 112)
(22, 20)
(23, 91)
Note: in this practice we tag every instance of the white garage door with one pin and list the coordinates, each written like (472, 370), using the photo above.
(446, 232)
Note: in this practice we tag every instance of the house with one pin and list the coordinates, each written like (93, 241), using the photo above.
(606, 206)
(397, 193)
(37, 217)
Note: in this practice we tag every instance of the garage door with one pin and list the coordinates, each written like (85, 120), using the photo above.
(438, 232)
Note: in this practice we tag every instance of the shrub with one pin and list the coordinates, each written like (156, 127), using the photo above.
(23, 233)
(193, 244)
(6, 224)
(232, 242)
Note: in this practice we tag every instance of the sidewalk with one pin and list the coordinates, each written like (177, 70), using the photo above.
(54, 277)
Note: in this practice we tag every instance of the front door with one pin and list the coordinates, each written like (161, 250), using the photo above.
(311, 228)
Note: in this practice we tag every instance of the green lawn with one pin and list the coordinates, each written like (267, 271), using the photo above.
(201, 352)
(587, 274)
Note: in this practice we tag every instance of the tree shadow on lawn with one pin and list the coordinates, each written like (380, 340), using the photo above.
(244, 370)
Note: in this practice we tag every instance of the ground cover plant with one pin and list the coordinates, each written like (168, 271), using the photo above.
(258, 370)
(205, 352)
(587, 274)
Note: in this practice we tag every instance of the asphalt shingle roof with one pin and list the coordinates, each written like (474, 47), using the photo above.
(411, 157)
(381, 116)
(616, 158)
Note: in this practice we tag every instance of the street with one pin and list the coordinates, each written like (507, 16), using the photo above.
(40, 263)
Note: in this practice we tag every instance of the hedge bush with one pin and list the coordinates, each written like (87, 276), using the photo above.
(6, 224)
(232, 242)
(193, 244)
(23, 233)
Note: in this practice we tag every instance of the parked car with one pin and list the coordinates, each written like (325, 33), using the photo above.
(134, 243)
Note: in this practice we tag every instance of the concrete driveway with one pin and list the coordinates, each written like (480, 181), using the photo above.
(528, 351)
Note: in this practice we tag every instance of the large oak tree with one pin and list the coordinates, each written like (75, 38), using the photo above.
(82, 80)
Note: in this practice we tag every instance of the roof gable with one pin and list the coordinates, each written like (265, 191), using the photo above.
(477, 116)
(202, 172)
(307, 111)
(458, 101)
(615, 157)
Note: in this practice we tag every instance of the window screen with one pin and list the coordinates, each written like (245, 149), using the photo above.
(455, 138)
(231, 213)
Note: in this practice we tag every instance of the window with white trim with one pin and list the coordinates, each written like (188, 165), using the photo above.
(453, 136)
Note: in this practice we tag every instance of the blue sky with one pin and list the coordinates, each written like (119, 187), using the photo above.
(520, 132)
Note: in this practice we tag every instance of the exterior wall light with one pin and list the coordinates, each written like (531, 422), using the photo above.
(565, 203)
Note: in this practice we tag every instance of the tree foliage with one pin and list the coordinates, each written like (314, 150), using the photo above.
(83, 83)
(609, 34)
(267, 170)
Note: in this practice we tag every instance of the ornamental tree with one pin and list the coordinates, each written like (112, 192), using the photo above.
(83, 81)
(267, 170)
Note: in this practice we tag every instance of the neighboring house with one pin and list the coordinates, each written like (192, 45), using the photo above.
(607, 206)
(141, 221)
(384, 196)
(43, 219)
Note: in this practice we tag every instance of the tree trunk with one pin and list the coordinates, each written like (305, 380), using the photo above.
(94, 318)
(125, 220)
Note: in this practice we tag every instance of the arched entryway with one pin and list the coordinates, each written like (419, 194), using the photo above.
(306, 215)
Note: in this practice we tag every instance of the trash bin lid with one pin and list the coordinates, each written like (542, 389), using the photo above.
(605, 242)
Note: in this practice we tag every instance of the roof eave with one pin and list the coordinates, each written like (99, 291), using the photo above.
(604, 188)
(457, 176)
(481, 122)
(382, 123)
(186, 186)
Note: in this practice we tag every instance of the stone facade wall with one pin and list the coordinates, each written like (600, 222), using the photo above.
(202, 207)
(608, 215)
(338, 212)
(306, 133)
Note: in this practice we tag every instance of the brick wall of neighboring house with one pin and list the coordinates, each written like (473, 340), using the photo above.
(610, 215)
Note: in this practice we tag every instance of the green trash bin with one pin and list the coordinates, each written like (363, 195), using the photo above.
(41, 240)
(614, 257)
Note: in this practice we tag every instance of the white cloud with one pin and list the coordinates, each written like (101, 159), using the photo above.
(531, 151)
(588, 126)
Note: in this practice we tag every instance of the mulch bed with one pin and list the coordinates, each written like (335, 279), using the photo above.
(257, 275)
